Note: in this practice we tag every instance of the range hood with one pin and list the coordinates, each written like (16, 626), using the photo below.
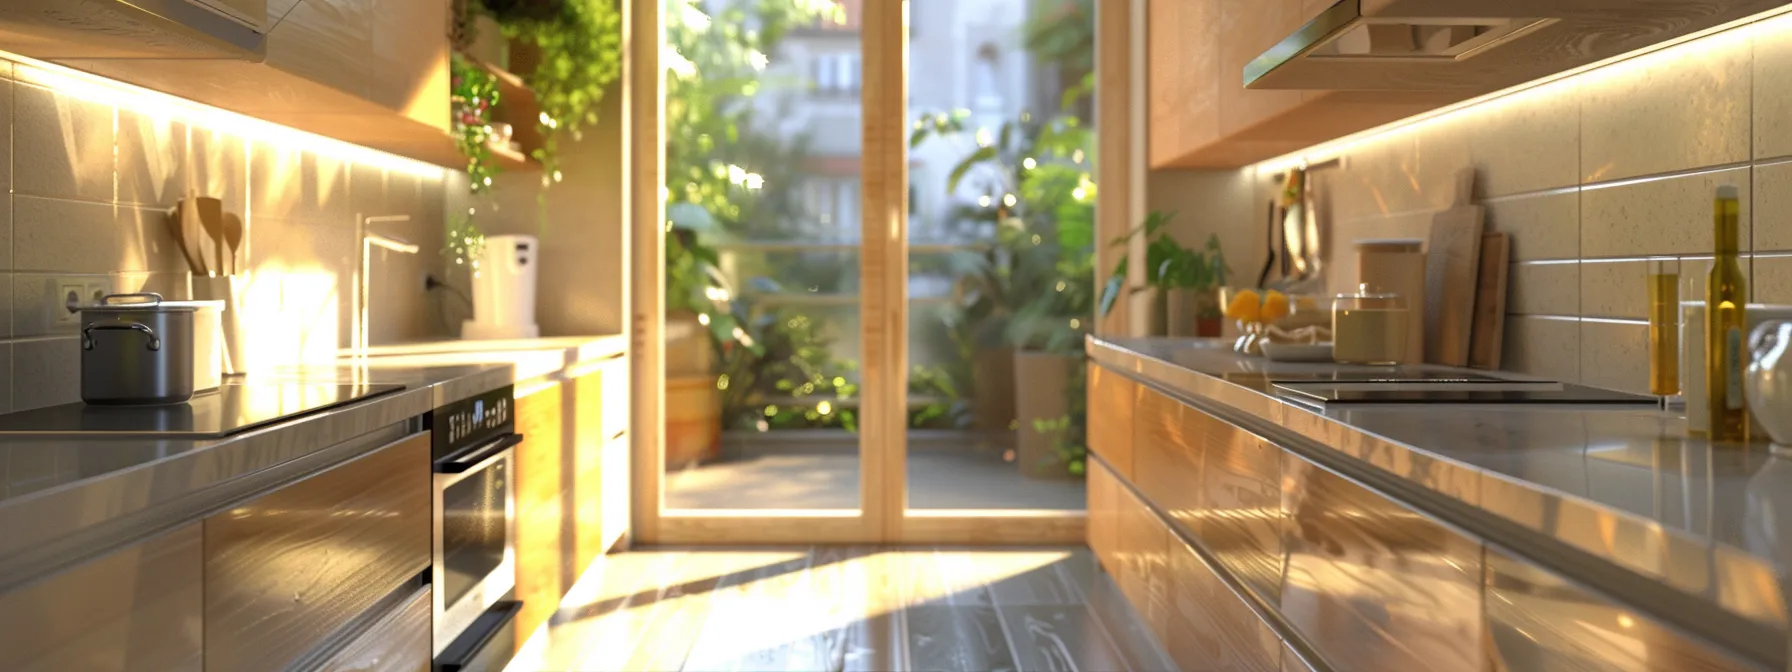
(1473, 46)
(184, 29)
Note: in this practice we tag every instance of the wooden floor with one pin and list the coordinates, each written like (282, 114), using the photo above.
(825, 608)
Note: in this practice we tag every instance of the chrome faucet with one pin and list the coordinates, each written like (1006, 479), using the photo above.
(369, 240)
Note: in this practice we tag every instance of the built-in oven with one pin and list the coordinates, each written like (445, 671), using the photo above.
(473, 569)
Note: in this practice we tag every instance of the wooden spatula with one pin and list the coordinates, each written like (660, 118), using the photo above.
(180, 240)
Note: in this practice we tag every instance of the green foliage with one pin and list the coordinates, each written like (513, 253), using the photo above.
(783, 383)
(473, 92)
(580, 56)
(465, 242)
(1070, 431)
(1168, 265)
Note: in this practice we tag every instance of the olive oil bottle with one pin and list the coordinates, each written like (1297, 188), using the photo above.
(1726, 299)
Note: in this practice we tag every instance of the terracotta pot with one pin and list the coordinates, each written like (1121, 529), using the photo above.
(1039, 381)
(1210, 327)
(688, 348)
(992, 383)
(693, 421)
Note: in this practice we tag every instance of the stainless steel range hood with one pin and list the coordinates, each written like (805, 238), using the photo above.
(50, 29)
(1472, 45)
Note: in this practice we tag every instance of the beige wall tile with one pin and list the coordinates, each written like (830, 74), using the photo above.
(1773, 92)
(1441, 151)
(367, 191)
(1683, 107)
(1527, 141)
(1542, 347)
(1773, 207)
(1619, 359)
(1542, 227)
(6, 390)
(1655, 217)
(290, 183)
(220, 168)
(81, 237)
(1772, 280)
(66, 141)
(46, 372)
(1380, 178)
(6, 122)
(1614, 289)
(52, 234)
(1543, 289)
(152, 159)
(38, 304)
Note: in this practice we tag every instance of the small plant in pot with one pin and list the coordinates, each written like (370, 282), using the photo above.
(1186, 281)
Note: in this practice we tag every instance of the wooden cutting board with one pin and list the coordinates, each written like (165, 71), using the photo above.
(1490, 302)
(1452, 260)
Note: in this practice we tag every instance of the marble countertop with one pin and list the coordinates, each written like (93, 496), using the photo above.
(63, 499)
(1624, 487)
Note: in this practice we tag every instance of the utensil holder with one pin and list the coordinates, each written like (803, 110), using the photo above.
(229, 289)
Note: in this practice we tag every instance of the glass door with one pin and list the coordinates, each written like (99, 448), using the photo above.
(865, 256)
(1000, 266)
(766, 370)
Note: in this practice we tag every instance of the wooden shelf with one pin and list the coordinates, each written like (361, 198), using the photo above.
(517, 106)
(511, 160)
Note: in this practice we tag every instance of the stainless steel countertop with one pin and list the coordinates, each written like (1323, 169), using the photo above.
(63, 500)
(1626, 488)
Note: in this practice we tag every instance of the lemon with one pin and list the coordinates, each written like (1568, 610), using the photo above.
(1245, 307)
(1275, 306)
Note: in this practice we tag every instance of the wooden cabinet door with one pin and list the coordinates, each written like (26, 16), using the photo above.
(543, 567)
(252, 13)
(136, 608)
(398, 642)
(1103, 524)
(1112, 398)
(286, 569)
(1183, 77)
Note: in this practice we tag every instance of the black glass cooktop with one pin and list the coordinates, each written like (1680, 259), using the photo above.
(1563, 393)
(231, 409)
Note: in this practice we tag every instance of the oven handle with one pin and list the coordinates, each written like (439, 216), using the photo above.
(472, 458)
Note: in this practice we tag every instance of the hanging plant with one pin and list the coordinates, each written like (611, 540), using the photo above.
(474, 93)
(580, 56)
(465, 243)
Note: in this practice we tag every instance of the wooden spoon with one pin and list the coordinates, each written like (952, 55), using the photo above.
(233, 239)
(180, 240)
(211, 217)
(192, 234)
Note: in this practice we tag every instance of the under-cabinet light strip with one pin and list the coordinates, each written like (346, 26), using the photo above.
(157, 105)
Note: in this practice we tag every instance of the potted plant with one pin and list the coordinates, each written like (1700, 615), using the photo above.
(1185, 282)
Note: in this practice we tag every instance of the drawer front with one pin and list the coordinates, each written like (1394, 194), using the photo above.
(1241, 521)
(542, 559)
(1103, 524)
(398, 642)
(1143, 542)
(1112, 398)
(615, 396)
(287, 569)
(1211, 628)
(137, 608)
(1374, 585)
(616, 506)
(1538, 621)
(1168, 442)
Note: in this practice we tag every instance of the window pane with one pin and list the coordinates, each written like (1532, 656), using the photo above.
(762, 262)
(1001, 275)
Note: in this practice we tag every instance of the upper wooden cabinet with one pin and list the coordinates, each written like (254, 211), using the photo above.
(1201, 116)
(370, 72)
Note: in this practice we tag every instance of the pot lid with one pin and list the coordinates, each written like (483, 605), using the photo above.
(141, 301)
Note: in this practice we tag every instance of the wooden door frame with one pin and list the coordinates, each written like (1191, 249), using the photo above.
(884, 516)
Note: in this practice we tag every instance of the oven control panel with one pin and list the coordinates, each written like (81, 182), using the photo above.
(472, 421)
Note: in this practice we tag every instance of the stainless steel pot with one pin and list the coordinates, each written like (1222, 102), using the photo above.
(135, 349)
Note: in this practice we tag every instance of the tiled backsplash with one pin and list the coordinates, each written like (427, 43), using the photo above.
(1590, 173)
(92, 174)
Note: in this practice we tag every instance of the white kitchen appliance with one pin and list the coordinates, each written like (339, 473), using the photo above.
(504, 290)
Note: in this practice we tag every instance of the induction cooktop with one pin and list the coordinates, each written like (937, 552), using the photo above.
(1399, 392)
(230, 409)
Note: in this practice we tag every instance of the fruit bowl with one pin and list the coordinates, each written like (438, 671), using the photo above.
(1256, 310)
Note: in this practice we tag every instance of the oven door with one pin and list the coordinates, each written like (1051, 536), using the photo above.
(474, 562)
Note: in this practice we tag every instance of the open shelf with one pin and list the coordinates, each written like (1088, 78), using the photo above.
(518, 107)
(511, 160)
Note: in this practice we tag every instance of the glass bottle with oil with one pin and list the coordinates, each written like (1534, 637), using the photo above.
(1663, 278)
(1726, 300)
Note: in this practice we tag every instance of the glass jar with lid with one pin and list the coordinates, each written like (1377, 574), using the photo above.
(1370, 327)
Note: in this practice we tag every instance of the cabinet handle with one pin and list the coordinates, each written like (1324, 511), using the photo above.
(472, 458)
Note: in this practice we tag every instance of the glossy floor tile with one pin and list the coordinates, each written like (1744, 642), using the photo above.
(844, 609)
